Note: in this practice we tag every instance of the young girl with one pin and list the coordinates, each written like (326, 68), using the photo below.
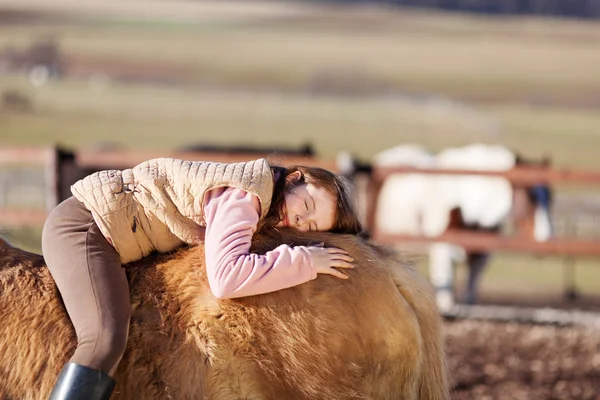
(116, 217)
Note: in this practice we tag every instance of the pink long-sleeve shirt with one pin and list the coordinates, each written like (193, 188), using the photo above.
(231, 217)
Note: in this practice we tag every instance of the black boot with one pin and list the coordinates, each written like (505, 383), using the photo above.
(77, 382)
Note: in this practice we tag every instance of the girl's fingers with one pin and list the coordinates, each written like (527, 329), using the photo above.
(337, 274)
(342, 264)
(335, 250)
(343, 257)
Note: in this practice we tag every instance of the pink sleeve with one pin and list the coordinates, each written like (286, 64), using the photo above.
(231, 217)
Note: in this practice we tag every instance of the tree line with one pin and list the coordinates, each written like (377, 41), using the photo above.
(563, 8)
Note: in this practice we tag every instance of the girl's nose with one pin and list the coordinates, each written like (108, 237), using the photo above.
(300, 222)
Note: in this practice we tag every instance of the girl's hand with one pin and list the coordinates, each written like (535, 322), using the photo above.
(327, 259)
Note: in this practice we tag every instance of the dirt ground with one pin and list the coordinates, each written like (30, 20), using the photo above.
(498, 360)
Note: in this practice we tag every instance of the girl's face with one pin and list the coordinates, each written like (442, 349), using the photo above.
(308, 208)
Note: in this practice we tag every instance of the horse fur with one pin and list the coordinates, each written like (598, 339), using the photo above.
(376, 335)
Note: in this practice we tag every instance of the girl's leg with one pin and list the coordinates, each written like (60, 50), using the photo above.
(92, 283)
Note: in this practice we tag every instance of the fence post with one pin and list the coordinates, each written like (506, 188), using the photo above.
(51, 175)
(569, 263)
(569, 275)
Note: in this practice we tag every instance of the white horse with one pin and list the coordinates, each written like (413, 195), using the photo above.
(425, 205)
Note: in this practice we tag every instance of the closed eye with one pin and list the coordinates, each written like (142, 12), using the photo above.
(306, 205)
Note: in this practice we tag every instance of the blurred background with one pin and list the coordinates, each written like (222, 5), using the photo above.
(335, 84)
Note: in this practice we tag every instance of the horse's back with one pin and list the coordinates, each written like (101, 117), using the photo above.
(366, 337)
(35, 330)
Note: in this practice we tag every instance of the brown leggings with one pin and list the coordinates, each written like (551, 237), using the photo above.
(92, 283)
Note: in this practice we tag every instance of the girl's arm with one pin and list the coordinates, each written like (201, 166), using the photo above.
(231, 217)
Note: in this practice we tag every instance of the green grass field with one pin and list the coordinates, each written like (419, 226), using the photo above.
(456, 79)
(151, 117)
(359, 80)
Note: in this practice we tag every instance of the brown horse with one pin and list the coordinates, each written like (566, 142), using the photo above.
(376, 335)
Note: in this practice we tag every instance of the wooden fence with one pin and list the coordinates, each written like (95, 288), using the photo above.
(520, 176)
(47, 160)
(63, 168)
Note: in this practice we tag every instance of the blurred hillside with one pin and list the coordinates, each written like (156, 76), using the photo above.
(358, 77)
(562, 8)
(155, 74)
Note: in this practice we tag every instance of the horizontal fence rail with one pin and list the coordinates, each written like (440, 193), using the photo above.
(20, 218)
(520, 175)
(116, 159)
(26, 155)
(483, 241)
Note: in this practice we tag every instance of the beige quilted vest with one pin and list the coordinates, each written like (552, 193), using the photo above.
(158, 205)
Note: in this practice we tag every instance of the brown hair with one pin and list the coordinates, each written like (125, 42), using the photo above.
(346, 217)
